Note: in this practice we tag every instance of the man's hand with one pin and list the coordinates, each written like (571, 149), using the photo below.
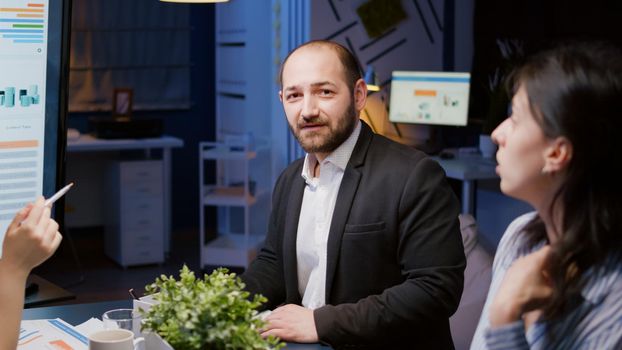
(291, 323)
(525, 288)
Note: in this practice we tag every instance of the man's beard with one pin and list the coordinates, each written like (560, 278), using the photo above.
(343, 130)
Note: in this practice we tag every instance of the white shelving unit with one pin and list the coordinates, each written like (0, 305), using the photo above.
(232, 188)
(241, 173)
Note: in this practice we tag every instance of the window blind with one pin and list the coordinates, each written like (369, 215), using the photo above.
(143, 45)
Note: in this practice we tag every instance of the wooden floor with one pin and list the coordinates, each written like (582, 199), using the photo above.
(94, 277)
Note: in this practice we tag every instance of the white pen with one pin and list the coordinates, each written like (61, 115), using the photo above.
(57, 195)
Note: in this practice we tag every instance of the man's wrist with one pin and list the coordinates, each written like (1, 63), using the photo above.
(320, 317)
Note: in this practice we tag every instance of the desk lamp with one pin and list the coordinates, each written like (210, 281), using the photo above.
(371, 80)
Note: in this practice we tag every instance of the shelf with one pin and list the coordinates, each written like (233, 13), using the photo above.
(225, 152)
(230, 192)
(227, 196)
(231, 250)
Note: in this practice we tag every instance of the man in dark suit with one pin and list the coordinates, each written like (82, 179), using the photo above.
(363, 246)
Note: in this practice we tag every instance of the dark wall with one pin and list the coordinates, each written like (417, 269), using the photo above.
(537, 24)
(193, 125)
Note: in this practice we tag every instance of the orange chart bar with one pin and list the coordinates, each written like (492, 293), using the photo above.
(8, 9)
(431, 93)
(19, 144)
(35, 5)
(25, 15)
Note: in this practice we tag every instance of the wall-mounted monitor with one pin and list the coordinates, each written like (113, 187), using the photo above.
(436, 98)
(33, 76)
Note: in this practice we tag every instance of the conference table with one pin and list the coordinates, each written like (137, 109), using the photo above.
(76, 314)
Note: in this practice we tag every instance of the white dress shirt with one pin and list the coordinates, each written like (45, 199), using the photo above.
(316, 214)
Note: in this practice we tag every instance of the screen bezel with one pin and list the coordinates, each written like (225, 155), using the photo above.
(57, 78)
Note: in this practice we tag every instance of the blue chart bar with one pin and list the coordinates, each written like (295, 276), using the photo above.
(23, 36)
(31, 31)
(23, 30)
(19, 20)
(24, 41)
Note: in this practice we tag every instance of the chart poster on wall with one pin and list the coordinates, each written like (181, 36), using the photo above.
(31, 96)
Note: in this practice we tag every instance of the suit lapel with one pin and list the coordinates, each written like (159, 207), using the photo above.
(345, 198)
(290, 267)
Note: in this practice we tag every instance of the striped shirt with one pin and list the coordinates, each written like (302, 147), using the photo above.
(596, 323)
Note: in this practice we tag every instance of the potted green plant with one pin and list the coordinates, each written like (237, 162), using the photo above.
(210, 313)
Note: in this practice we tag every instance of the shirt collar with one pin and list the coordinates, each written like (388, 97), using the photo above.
(339, 157)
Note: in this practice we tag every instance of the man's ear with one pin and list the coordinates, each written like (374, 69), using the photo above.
(557, 155)
(281, 95)
(360, 94)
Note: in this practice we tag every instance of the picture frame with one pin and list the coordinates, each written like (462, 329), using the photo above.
(122, 102)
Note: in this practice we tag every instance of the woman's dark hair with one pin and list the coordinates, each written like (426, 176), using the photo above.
(351, 66)
(575, 91)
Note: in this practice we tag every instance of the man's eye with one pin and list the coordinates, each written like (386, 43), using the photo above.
(291, 96)
(326, 92)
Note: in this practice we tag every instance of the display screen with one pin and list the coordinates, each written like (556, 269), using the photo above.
(32, 101)
(438, 98)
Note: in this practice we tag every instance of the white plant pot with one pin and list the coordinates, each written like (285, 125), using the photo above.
(486, 147)
(153, 341)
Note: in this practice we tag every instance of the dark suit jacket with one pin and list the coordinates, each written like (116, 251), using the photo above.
(395, 258)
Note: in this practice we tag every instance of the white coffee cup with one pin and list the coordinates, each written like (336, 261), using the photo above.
(115, 339)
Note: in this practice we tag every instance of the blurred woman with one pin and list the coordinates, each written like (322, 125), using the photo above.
(30, 239)
(557, 274)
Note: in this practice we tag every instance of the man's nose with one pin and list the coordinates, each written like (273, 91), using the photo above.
(309, 108)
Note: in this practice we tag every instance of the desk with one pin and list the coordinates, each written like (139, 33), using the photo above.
(468, 168)
(47, 293)
(87, 143)
(78, 313)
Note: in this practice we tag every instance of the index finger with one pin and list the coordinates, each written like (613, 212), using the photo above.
(36, 212)
(19, 217)
(544, 251)
(540, 256)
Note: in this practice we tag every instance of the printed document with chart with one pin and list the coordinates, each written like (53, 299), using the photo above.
(53, 334)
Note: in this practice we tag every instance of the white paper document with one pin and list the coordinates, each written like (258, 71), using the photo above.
(53, 334)
(91, 326)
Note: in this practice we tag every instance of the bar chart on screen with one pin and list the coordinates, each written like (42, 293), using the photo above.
(19, 178)
(12, 96)
(23, 27)
(23, 64)
(18, 175)
(23, 48)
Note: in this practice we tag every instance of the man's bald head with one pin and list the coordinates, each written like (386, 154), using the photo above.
(350, 65)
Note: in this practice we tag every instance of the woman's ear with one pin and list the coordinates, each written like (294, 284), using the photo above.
(557, 155)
